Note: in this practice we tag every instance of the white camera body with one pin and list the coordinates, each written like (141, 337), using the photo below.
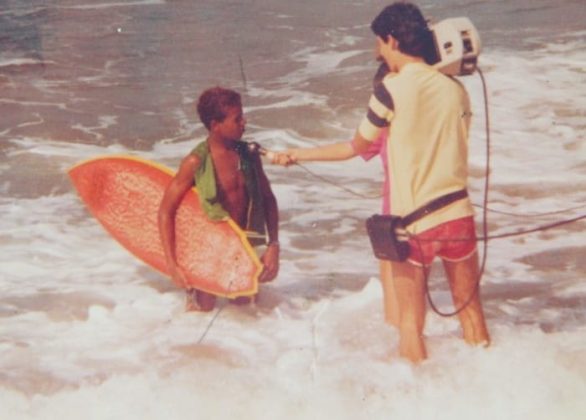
(457, 46)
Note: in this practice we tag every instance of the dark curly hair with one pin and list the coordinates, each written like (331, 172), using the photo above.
(213, 102)
(404, 22)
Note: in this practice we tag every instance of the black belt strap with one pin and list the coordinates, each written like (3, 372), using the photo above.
(432, 206)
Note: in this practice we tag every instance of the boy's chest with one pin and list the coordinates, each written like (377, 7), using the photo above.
(229, 175)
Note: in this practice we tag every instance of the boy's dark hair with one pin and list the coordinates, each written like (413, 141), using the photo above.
(213, 102)
(404, 22)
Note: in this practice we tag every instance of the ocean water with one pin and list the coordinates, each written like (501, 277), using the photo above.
(87, 331)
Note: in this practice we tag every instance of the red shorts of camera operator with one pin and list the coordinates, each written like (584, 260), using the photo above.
(451, 241)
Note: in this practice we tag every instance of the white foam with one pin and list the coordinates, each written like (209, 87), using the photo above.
(87, 331)
(7, 62)
(114, 4)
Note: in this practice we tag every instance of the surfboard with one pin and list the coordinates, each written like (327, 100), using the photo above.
(124, 194)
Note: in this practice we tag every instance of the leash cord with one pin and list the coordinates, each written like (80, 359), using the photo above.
(216, 314)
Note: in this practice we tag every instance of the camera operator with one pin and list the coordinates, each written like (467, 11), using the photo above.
(429, 116)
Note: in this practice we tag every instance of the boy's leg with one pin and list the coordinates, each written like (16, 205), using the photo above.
(206, 301)
(196, 300)
(243, 300)
(463, 277)
(391, 306)
(409, 285)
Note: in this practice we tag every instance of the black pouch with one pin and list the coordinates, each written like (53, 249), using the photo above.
(382, 231)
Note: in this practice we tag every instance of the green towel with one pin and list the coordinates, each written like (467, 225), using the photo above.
(205, 182)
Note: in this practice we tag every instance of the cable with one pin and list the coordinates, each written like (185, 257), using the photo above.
(209, 326)
(535, 229)
(484, 238)
(213, 320)
(485, 209)
(544, 214)
(482, 206)
(342, 187)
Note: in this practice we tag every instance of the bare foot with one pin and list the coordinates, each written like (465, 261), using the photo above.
(483, 341)
(475, 333)
(412, 349)
(392, 319)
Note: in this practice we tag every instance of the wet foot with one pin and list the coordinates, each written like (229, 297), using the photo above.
(413, 349)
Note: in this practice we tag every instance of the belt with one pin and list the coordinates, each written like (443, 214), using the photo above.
(432, 206)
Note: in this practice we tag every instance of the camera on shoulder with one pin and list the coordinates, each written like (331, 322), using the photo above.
(457, 46)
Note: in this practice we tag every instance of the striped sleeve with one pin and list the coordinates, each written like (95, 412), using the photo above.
(379, 114)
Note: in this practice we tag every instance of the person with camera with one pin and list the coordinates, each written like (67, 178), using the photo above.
(428, 114)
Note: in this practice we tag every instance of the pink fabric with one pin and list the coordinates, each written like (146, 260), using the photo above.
(379, 147)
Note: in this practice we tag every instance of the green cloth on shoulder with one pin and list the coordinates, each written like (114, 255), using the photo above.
(205, 182)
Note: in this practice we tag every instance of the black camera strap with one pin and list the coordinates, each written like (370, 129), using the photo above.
(382, 229)
(432, 206)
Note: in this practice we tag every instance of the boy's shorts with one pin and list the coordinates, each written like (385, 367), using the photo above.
(451, 241)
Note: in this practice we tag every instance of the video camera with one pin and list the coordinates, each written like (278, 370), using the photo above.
(457, 46)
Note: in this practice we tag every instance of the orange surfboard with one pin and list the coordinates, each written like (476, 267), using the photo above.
(124, 193)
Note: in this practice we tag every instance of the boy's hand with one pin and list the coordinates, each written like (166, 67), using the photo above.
(270, 260)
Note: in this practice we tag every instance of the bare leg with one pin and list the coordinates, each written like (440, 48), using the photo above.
(410, 289)
(391, 306)
(243, 300)
(196, 300)
(463, 276)
(206, 301)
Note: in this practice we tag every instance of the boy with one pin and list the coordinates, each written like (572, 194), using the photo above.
(230, 182)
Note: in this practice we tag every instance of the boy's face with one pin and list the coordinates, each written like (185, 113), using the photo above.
(233, 126)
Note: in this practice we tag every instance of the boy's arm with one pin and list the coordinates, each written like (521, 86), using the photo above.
(270, 258)
(174, 193)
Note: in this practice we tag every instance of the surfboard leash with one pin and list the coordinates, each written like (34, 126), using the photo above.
(215, 316)
(211, 322)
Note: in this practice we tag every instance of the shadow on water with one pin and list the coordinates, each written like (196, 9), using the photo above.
(308, 291)
(155, 280)
(20, 33)
(552, 304)
(72, 306)
(271, 295)
(559, 259)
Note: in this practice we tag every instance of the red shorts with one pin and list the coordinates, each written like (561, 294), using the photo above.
(452, 241)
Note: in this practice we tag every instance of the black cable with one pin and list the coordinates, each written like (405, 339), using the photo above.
(342, 187)
(532, 215)
(482, 206)
(535, 229)
(540, 228)
(484, 222)
(485, 237)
